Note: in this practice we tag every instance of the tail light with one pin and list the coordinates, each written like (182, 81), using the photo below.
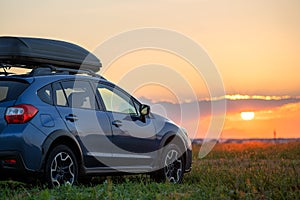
(20, 114)
(10, 161)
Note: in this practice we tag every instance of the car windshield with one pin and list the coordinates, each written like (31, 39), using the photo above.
(10, 90)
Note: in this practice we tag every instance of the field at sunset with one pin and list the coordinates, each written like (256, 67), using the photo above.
(231, 171)
(227, 71)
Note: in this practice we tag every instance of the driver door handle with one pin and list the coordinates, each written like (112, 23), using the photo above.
(117, 123)
(71, 118)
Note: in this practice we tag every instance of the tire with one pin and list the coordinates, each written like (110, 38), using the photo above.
(61, 167)
(171, 165)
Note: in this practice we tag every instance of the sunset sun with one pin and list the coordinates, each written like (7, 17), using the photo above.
(247, 115)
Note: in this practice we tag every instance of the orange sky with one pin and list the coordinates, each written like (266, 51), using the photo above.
(254, 44)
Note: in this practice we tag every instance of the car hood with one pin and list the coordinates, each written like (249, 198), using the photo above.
(163, 124)
(162, 118)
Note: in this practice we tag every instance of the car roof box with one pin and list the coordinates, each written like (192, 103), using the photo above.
(32, 52)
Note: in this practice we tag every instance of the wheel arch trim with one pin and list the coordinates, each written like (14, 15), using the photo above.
(55, 136)
(169, 137)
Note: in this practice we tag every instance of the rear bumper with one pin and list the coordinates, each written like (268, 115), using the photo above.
(12, 161)
(21, 143)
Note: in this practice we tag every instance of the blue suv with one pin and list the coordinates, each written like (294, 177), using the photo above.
(63, 121)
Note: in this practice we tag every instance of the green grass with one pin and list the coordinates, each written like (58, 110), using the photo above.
(230, 171)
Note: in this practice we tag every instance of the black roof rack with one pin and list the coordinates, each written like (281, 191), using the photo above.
(49, 70)
(45, 69)
(5, 67)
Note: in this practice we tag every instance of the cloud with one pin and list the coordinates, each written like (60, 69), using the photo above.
(245, 97)
(197, 123)
(257, 104)
(235, 103)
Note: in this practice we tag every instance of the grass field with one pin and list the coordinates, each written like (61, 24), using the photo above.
(230, 171)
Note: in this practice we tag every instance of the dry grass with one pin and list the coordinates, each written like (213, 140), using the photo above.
(230, 171)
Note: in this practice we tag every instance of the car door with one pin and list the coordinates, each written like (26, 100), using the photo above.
(76, 102)
(134, 139)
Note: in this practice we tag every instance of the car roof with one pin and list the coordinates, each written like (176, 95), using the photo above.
(44, 77)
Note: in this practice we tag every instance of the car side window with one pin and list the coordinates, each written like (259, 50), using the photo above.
(75, 94)
(116, 101)
(45, 94)
(59, 95)
(79, 94)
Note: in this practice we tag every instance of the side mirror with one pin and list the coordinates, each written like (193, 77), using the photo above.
(144, 110)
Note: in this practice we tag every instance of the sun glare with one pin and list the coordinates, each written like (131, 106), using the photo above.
(247, 115)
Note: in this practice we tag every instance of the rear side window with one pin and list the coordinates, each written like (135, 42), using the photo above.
(45, 94)
(11, 90)
(75, 94)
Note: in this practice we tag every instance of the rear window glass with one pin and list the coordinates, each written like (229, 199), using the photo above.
(11, 90)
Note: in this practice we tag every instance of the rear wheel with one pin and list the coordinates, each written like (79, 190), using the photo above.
(171, 164)
(61, 167)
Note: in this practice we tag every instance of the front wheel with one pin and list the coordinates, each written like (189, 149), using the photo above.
(172, 165)
(61, 167)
